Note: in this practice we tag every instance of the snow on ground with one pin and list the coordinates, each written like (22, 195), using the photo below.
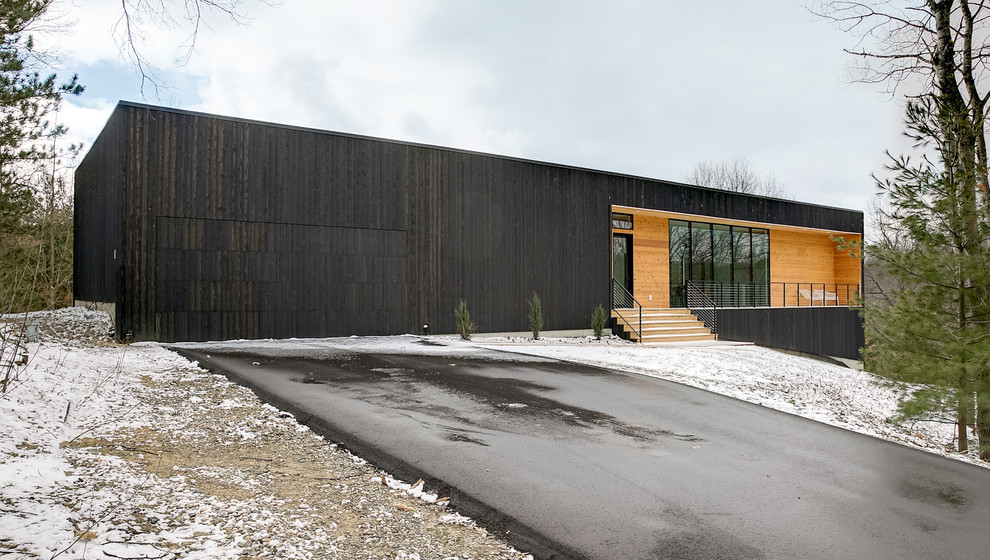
(111, 451)
(819, 390)
(822, 391)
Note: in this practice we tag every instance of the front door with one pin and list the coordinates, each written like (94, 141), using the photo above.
(622, 260)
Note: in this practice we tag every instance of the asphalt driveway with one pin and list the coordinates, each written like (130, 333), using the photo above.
(580, 462)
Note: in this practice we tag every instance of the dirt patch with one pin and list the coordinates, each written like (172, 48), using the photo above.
(211, 454)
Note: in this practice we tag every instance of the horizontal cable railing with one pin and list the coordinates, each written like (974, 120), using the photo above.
(702, 306)
(627, 308)
(803, 294)
(780, 294)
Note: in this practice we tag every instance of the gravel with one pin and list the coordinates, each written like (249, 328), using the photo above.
(165, 460)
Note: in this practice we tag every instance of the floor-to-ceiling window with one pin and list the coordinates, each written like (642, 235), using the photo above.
(701, 252)
(721, 253)
(680, 261)
(731, 263)
(761, 266)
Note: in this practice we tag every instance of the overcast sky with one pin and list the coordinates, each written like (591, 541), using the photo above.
(647, 87)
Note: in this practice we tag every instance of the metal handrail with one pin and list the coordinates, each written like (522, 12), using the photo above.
(821, 294)
(622, 297)
(702, 306)
(783, 294)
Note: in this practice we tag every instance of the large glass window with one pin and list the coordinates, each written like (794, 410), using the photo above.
(701, 252)
(732, 263)
(761, 256)
(761, 265)
(680, 261)
(722, 253)
(742, 263)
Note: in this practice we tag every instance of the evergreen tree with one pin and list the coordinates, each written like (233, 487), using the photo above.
(30, 213)
(934, 330)
(27, 101)
(462, 318)
(535, 316)
(942, 46)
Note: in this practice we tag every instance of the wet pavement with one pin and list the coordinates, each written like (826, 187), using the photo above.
(579, 462)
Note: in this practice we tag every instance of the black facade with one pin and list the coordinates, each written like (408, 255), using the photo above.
(826, 331)
(201, 227)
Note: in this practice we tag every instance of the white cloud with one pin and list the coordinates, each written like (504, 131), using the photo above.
(85, 120)
(635, 86)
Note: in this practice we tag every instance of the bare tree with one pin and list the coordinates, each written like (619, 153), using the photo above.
(937, 54)
(924, 47)
(737, 175)
(138, 17)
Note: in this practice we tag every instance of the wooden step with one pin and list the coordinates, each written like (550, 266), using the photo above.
(661, 325)
(652, 311)
(691, 329)
(678, 338)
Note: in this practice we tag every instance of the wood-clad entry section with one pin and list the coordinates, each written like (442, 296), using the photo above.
(650, 246)
(797, 255)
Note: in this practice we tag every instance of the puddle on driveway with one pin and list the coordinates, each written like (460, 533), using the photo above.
(460, 436)
(934, 492)
(484, 392)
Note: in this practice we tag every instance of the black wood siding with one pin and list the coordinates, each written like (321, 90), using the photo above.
(722, 204)
(827, 331)
(98, 235)
(235, 228)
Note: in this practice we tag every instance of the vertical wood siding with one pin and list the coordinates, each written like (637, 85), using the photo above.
(98, 236)
(240, 229)
(826, 331)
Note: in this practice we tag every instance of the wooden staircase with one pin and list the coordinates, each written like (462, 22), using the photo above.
(660, 325)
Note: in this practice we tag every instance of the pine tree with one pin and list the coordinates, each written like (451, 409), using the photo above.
(936, 329)
(28, 162)
(535, 316)
(27, 101)
(462, 319)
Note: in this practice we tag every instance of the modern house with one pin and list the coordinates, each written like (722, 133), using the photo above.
(199, 227)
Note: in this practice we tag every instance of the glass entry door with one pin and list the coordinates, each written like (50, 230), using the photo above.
(622, 270)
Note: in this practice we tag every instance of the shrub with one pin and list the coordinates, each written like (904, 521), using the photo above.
(598, 320)
(535, 316)
(465, 326)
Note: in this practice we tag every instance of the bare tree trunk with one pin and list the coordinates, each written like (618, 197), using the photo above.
(50, 285)
(944, 41)
(962, 423)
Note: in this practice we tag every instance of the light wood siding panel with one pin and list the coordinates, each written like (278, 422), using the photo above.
(651, 253)
(797, 256)
(848, 269)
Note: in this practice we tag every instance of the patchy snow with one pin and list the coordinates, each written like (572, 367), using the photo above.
(131, 451)
(822, 391)
(111, 451)
(815, 389)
